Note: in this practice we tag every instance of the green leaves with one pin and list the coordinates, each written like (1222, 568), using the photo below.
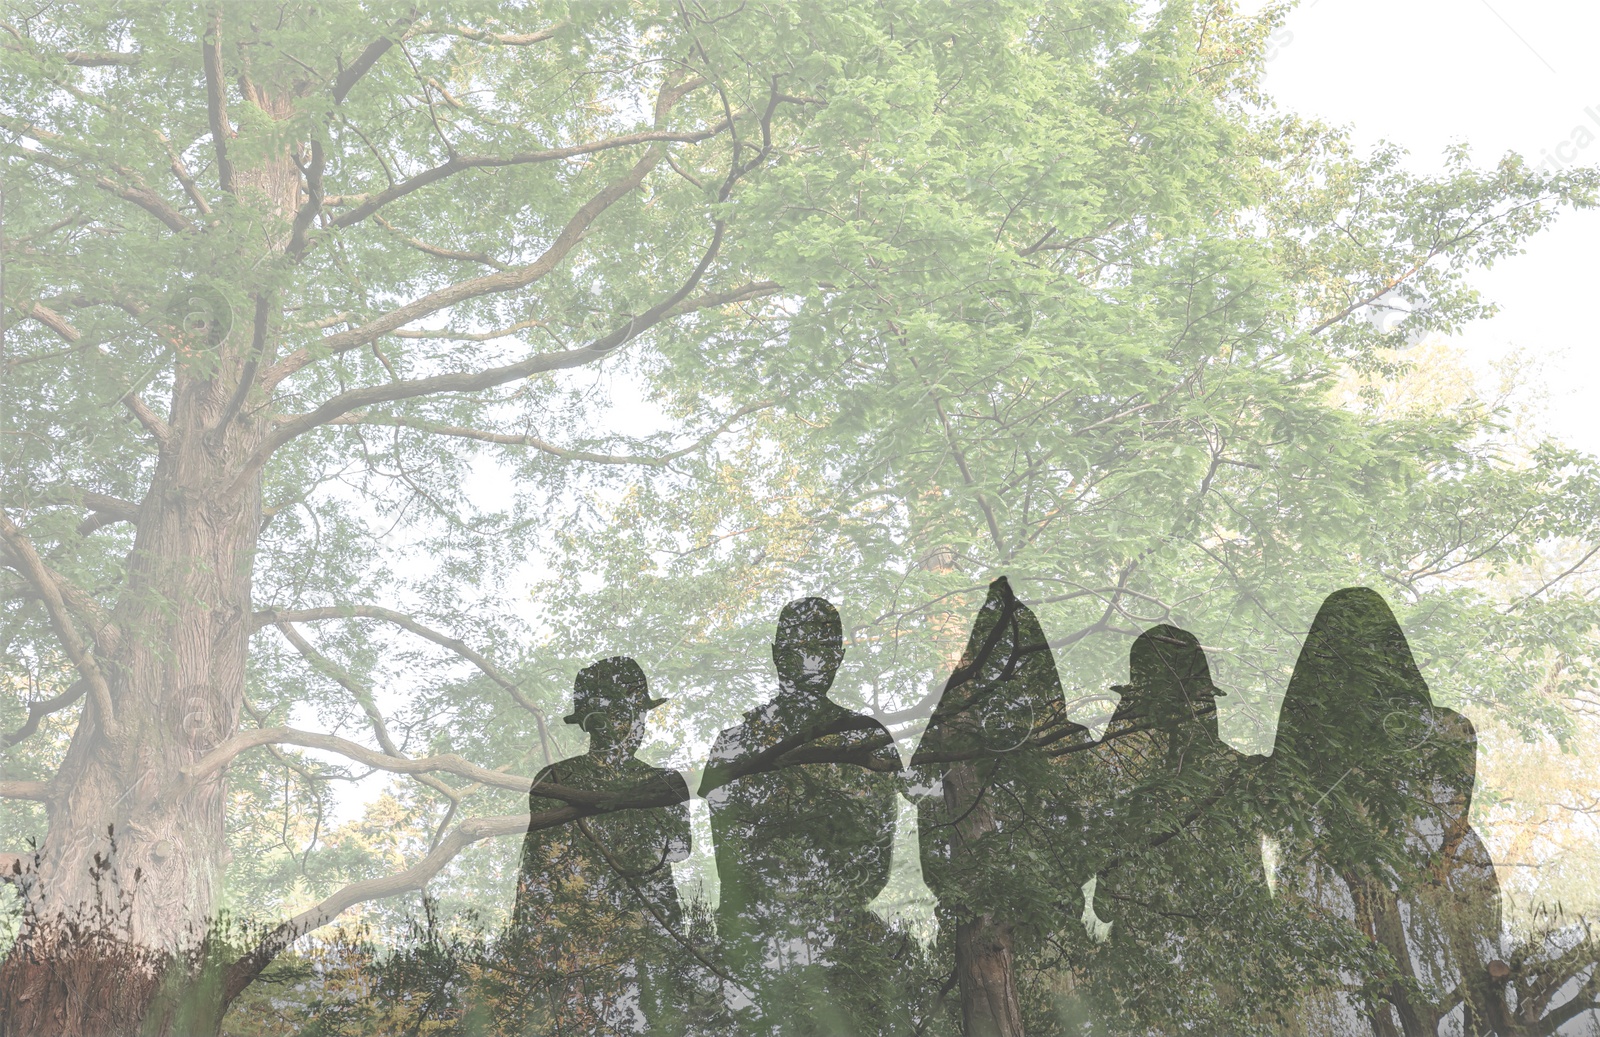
(1042, 288)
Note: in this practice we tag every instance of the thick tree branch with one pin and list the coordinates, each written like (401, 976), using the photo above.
(405, 622)
(138, 194)
(369, 706)
(444, 763)
(366, 205)
(62, 327)
(247, 374)
(441, 253)
(488, 284)
(504, 439)
(105, 510)
(473, 381)
(469, 336)
(100, 58)
(37, 711)
(158, 429)
(55, 322)
(38, 791)
(49, 586)
(579, 804)
(268, 617)
(77, 599)
(241, 973)
(80, 58)
(351, 74)
(504, 39)
(216, 97)
(303, 219)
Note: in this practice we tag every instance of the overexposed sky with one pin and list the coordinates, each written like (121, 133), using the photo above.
(1503, 76)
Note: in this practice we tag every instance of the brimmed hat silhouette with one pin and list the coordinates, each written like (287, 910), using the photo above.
(1163, 658)
(615, 688)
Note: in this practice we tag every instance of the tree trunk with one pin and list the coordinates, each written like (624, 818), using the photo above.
(985, 947)
(119, 900)
(120, 896)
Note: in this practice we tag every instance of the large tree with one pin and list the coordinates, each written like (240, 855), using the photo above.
(322, 321)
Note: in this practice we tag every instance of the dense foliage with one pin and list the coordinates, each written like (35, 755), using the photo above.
(419, 357)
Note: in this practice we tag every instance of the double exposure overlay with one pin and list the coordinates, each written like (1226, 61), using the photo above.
(750, 518)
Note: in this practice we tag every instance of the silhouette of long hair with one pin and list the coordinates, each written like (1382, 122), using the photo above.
(1374, 783)
(1355, 731)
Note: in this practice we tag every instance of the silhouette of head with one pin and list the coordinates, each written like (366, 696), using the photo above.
(1355, 675)
(1169, 680)
(610, 699)
(809, 646)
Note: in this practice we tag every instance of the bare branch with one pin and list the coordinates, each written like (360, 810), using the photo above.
(49, 585)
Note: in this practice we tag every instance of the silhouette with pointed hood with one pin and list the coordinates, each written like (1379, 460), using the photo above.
(1370, 786)
(802, 796)
(993, 777)
(594, 944)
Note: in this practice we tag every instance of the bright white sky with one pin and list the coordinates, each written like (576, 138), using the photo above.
(1502, 76)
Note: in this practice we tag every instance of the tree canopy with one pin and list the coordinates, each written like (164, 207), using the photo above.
(369, 370)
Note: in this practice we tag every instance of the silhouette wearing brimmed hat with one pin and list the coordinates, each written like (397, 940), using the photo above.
(1179, 877)
(1161, 751)
(613, 690)
(802, 795)
(594, 944)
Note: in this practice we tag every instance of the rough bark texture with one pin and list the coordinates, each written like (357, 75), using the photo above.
(129, 871)
(121, 895)
(985, 946)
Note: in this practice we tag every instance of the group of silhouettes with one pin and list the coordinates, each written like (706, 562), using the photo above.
(1110, 879)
